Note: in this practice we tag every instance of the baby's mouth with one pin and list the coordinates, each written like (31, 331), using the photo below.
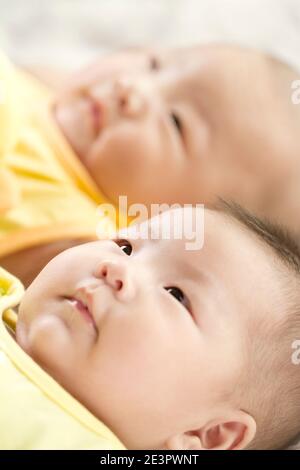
(84, 311)
(96, 113)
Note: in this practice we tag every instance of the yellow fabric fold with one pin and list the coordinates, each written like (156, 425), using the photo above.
(43, 185)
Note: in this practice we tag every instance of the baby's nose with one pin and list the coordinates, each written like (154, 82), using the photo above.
(129, 99)
(116, 275)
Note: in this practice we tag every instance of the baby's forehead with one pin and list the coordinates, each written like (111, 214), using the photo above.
(191, 229)
(175, 222)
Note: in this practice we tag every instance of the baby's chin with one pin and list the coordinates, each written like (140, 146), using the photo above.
(46, 339)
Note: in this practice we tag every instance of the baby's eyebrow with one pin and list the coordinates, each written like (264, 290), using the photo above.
(195, 271)
(140, 232)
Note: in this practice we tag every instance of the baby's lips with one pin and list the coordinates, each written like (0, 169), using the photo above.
(97, 114)
(87, 295)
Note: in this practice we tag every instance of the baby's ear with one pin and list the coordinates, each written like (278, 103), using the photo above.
(232, 432)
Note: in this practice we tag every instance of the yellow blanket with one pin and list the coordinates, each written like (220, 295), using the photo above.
(46, 194)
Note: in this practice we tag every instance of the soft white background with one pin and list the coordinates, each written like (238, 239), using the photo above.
(72, 32)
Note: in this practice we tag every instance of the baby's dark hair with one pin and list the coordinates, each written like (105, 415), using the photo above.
(271, 383)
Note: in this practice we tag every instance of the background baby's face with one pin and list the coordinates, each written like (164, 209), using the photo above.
(144, 331)
(198, 115)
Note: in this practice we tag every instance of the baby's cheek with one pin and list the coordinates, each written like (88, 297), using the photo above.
(124, 148)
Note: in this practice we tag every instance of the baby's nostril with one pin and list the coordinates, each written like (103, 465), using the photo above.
(123, 102)
(117, 284)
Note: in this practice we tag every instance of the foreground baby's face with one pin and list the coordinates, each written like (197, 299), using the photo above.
(213, 116)
(149, 336)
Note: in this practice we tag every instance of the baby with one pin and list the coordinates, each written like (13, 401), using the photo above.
(174, 348)
(158, 126)
(212, 116)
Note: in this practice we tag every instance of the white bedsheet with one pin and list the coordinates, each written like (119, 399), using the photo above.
(60, 32)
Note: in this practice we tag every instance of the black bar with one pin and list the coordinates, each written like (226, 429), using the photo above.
(136, 459)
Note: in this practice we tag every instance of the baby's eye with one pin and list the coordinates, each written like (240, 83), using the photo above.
(125, 246)
(176, 122)
(179, 295)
